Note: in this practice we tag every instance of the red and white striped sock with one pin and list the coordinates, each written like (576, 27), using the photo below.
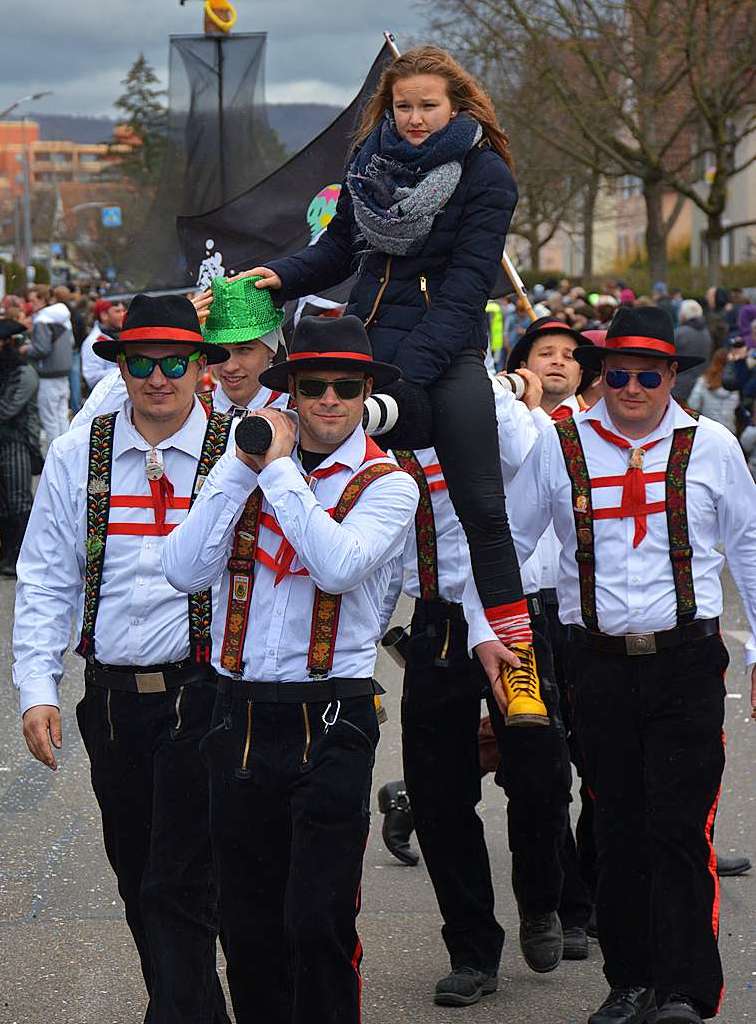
(511, 622)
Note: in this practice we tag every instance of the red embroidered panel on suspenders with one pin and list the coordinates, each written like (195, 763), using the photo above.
(326, 607)
(98, 510)
(681, 553)
(425, 527)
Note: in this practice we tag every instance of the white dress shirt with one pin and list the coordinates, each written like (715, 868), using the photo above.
(94, 367)
(634, 586)
(353, 558)
(142, 620)
(110, 393)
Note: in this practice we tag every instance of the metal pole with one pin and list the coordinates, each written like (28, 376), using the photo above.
(27, 213)
(221, 126)
(17, 244)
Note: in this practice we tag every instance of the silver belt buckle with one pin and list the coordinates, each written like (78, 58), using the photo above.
(640, 643)
(150, 682)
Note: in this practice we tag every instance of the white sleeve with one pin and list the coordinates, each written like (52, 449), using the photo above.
(50, 582)
(108, 395)
(750, 651)
(341, 556)
(531, 494)
(196, 552)
(737, 525)
(393, 593)
(517, 430)
(478, 628)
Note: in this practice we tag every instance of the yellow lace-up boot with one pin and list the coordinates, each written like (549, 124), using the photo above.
(523, 689)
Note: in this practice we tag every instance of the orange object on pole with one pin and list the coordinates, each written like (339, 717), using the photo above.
(220, 17)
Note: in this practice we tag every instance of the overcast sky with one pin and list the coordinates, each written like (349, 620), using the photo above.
(318, 50)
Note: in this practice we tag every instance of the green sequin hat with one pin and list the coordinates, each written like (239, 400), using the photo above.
(240, 312)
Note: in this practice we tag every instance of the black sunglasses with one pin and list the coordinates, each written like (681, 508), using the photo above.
(617, 379)
(345, 388)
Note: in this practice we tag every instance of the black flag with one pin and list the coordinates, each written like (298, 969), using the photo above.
(281, 214)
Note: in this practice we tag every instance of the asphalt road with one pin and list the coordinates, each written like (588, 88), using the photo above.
(66, 954)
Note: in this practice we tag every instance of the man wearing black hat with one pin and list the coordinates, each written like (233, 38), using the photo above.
(19, 442)
(643, 494)
(302, 540)
(109, 496)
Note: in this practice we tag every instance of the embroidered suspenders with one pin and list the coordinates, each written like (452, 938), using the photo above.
(326, 607)
(98, 509)
(425, 528)
(241, 566)
(680, 551)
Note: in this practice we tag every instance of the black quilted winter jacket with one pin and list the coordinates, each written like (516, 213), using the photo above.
(420, 310)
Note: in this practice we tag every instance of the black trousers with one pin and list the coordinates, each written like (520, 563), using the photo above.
(440, 721)
(578, 848)
(290, 814)
(650, 729)
(467, 442)
(152, 789)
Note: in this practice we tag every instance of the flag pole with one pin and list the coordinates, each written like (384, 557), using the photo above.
(506, 262)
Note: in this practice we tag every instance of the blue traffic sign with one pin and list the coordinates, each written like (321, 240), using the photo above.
(111, 217)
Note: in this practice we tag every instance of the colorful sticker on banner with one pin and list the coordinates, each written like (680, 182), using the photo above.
(321, 210)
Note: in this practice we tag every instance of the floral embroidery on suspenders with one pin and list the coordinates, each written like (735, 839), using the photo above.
(582, 509)
(201, 604)
(98, 510)
(241, 566)
(326, 607)
(425, 527)
(680, 550)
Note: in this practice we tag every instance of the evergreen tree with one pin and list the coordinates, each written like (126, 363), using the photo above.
(146, 116)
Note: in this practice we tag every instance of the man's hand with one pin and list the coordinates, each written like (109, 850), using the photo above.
(202, 301)
(494, 657)
(42, 732)
(285, 436)
(753, 692)
(269, 278)
(533, 388)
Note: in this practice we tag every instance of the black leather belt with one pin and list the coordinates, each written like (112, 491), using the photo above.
(644, 643)
(152, 679)
(338, 688)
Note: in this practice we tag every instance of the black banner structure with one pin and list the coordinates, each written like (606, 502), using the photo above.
(283, 213)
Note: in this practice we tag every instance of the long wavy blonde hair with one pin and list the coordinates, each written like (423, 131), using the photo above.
(464, 91)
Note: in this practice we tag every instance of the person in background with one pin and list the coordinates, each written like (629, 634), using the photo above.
(19, 442)
(499, 350)
(516, 323)
(710, 398)
(108, 320)
(692, 338)
(51, 353)
(716, 310)
(79, 328)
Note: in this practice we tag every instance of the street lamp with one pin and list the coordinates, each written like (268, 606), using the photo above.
(24, 99)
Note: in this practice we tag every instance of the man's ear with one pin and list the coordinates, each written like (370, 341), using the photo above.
(292, 392)
(673, 372)
(368, 387)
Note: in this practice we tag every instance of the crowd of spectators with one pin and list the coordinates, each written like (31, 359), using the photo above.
(719, 326)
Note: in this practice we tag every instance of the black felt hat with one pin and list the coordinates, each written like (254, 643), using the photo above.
(329, 343)
(10, 328)
(543, 325)
(639, 331)
(163, 320)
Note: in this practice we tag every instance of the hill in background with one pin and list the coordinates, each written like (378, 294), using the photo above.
(295, 124)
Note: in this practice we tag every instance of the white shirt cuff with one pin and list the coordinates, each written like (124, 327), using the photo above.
(37, 691)
(234, 478)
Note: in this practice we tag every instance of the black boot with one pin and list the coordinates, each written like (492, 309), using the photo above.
(541, 941)
(398, 823)
(730, 867)
(679, 1010)
(464, 986)
(626, 1006)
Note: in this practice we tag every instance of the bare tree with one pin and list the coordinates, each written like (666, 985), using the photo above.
(631, 81)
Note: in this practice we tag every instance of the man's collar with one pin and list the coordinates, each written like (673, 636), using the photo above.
(188, 438)
(350, 453)
(674, 417)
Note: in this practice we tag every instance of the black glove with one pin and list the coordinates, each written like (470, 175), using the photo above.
(414, 428)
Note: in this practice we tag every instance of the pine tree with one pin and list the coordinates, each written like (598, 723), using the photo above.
(146, 116)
